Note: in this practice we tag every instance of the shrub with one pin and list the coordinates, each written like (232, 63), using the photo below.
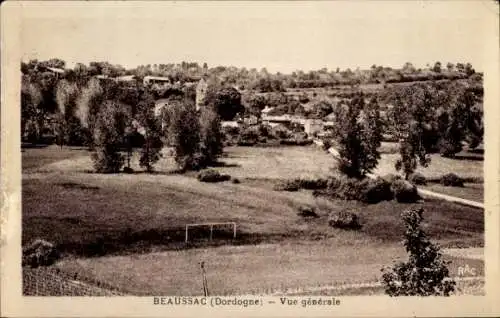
(281, 132)
(296, 142)
(312, 184)
(404, 191)
(366, 190)
(425, 273)
(452, 180)
(236, 180)
(307, 211)
(417, 178)
(212, 175)
(344, 220)
(288, 185)
(375, 190)
(128, 170)
(39, 253)
(107, 160)
(348, 189)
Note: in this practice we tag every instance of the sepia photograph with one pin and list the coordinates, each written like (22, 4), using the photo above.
(218, 153)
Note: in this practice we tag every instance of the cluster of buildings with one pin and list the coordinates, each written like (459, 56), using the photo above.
(312, 127)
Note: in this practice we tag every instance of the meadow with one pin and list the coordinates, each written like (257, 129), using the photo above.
(128, 229)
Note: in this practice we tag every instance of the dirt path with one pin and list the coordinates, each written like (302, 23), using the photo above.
(450, 198)
(432, 194)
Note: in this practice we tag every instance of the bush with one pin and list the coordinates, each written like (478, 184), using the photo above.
(235, 181)
(375, 190)
(281, 132)
(344, 220)
(212, 175)
(107, 160)
(404, 191)
(417, 178)
(296, 142)
(425, 273)
(307, 211)
(452, 180)
(349, 189)
(312, 184)
(343, 188)
(288, 185)
(40, 253)
(367, 190)
(128, 170)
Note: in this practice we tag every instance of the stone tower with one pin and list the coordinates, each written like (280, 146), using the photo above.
(201, 92)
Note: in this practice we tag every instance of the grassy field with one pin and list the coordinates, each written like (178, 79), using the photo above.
(93, 213)
(36, 157)
(437, 167)
(135, 223)
(294, 265)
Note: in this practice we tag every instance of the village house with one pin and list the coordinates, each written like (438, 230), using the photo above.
(58, 72)
(125, 78)
(150, 80)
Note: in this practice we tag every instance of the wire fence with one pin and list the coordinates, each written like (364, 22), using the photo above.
(50, 281)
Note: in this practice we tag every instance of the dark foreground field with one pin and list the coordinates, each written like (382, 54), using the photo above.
(129, 229)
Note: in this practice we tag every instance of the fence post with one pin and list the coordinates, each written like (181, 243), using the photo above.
(205, 285)
(234, 229)
(186, 233)
(211, 231)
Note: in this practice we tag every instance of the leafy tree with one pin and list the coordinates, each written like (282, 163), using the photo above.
(460, 121)
(322, 109)
(425, 273)
(183, 134)
(69, 130)
(31, 98)
(411, 116)
(256, 104)
(450, 66)
(358, 136)
(151, 150)
(210, 136)
(226, 101)
(409, 68)
(88, 104)
(437, 67)
(469, 70)
(112, 121)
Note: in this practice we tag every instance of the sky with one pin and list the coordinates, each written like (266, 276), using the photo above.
(281, 36)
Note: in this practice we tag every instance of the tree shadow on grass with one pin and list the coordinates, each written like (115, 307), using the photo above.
(73, 185)
(144, 241)
(472, 157)
(25, 145)
(222, 164)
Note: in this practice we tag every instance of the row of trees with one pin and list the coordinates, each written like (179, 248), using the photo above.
(195, 136)
(113, 118)
(262, 80)
(424, 120)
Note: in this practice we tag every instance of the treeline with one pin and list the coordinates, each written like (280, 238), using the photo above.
(443, 114)
(262, 80)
